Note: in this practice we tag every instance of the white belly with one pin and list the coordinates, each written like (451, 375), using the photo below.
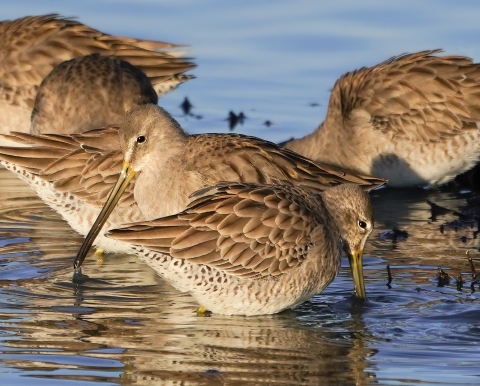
(408, 164)
(79, 215)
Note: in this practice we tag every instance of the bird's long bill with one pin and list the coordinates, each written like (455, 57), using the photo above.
(356, 266)
(126, 175)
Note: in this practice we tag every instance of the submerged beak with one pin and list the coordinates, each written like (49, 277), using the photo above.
(356, 266)
(126, 175)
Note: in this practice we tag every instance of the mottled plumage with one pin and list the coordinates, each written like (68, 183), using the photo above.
(89, 92)
(412, 119)
(256, 249)
(32, 46)
(74, 174)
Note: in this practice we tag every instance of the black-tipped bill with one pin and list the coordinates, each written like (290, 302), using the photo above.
(126, 175)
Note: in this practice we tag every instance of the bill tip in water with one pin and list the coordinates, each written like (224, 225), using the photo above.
(358, 303)
(78, 276)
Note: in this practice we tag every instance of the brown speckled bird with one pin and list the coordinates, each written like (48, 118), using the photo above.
(74, 174)
(412, 119)
(256, 249)
(87, 93)
(32, 46)
(171, 165)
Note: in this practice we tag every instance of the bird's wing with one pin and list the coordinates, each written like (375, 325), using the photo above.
(247, 230)
(417, 96)
(239, 158)
(86, 165)
(32, 46)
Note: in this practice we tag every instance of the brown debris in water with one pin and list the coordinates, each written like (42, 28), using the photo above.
(443, 278)
(459, 282)
(390, 278)
(475, 278)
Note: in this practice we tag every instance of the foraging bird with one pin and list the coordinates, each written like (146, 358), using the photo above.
(74, 174)
(87, 93)
(171, 165)
(32, 46)
(254, 249)
(412, 119)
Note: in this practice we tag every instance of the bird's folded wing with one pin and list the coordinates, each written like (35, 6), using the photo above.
(249, 159)
(244, 229)
(36, 44)
(85, 165)
(418, 96)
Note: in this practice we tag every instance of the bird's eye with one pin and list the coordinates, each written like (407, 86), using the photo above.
(362, 224)
(141, 139)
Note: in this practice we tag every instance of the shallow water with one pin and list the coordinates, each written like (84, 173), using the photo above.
(124, 325)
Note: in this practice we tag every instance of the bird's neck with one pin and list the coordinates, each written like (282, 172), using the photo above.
(330, 200)
(164, 186)
(320, 145)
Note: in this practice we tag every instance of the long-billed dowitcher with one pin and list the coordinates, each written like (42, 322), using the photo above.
(412, 119)
(32, 46)
(257, 249)
(87, 93)
(74, 174)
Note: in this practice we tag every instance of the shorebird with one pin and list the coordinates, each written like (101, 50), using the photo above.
(74, 174)
(254, 249)
(87, 93)
(79, 94)
(32, 46)
(412, 119)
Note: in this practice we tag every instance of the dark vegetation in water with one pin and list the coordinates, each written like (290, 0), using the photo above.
(443, 278)
(187, 107)
(234, 119)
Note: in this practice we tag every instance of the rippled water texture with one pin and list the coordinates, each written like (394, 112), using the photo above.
(277, 62)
